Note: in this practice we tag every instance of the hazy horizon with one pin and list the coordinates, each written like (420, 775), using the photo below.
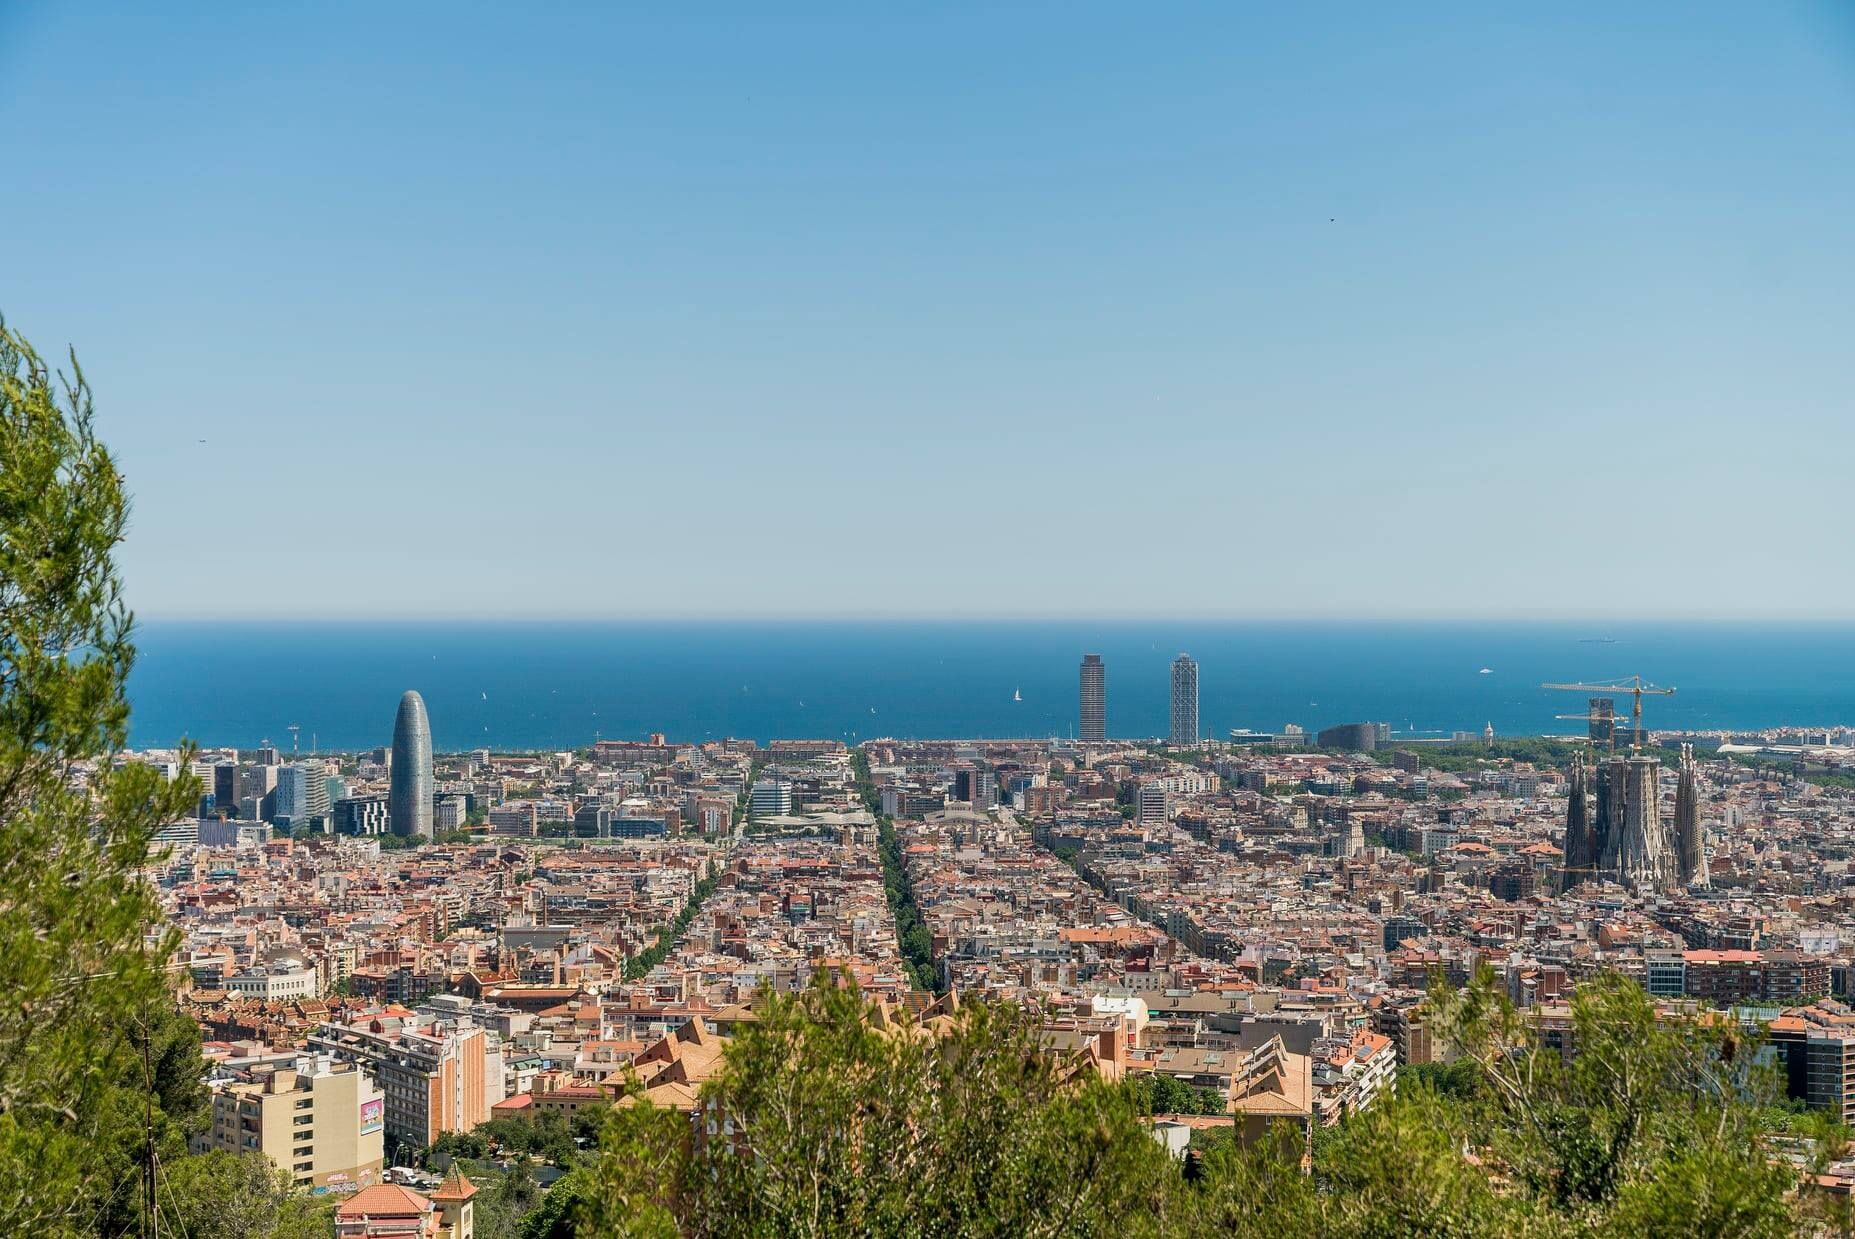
(1107, 618)
(1017, 311)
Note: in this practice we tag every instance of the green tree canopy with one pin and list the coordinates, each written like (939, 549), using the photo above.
(236, 1196)
(827, 1120)
(82, 966)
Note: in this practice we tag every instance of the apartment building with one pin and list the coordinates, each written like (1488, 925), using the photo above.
(1665, 973)
(449, 812)
(1351, 1072)
(1732, 976)
(435, 1077)
(321, 1121)
(1816, 1047)
(519, 818)
(277, 983)
(361, 815)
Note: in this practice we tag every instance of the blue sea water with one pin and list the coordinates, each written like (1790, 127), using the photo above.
(550, 685)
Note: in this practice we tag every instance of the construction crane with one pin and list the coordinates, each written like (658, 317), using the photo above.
(1636, 686)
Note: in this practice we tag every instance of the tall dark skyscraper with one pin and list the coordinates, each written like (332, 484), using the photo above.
(1094, 699)
(1184, 702)
(409, 794)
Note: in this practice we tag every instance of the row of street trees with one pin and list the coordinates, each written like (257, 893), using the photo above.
(911, 932)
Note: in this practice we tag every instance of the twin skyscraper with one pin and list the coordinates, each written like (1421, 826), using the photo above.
(1094, 701)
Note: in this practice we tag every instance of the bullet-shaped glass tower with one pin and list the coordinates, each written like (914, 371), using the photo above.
(409, 794)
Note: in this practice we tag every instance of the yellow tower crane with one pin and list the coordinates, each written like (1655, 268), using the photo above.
(1636, 686)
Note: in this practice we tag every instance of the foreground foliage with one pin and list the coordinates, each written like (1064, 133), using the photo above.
(95, 1069)
(101, 1078)
(824, 1122)
(827, 1122)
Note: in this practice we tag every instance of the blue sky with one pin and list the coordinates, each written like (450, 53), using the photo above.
(1064, 309)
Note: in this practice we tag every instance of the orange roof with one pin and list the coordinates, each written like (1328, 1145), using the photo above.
(384, 1200)
(1124, 933)
(455, 1187)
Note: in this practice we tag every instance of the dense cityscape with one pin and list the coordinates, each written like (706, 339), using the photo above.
(405, 946)
(957, 621)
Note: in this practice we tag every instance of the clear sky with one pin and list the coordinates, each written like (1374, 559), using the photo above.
(1090, 309)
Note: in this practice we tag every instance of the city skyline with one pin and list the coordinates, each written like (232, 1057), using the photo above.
(619, 390)
(1491, 279)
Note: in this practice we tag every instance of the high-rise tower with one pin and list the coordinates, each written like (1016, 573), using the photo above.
(1094, 699)
(409, 791)
(1690, 857)
(1184, 702)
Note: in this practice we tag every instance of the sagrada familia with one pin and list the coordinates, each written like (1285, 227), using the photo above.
(1622, 836)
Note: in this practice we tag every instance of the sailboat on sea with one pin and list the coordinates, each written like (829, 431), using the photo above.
(1016, 695)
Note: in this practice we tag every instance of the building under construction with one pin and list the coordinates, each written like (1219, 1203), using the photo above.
(1622, 836)
(1601, 724)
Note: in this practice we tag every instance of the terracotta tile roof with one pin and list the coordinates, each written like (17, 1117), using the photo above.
(383, 1200)
(455, 1187)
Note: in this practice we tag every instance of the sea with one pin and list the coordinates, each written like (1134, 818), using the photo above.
(534, 685)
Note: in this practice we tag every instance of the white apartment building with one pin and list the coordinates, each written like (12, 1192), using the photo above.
(278, 983)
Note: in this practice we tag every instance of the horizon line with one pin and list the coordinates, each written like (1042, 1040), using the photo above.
(1005, 617)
